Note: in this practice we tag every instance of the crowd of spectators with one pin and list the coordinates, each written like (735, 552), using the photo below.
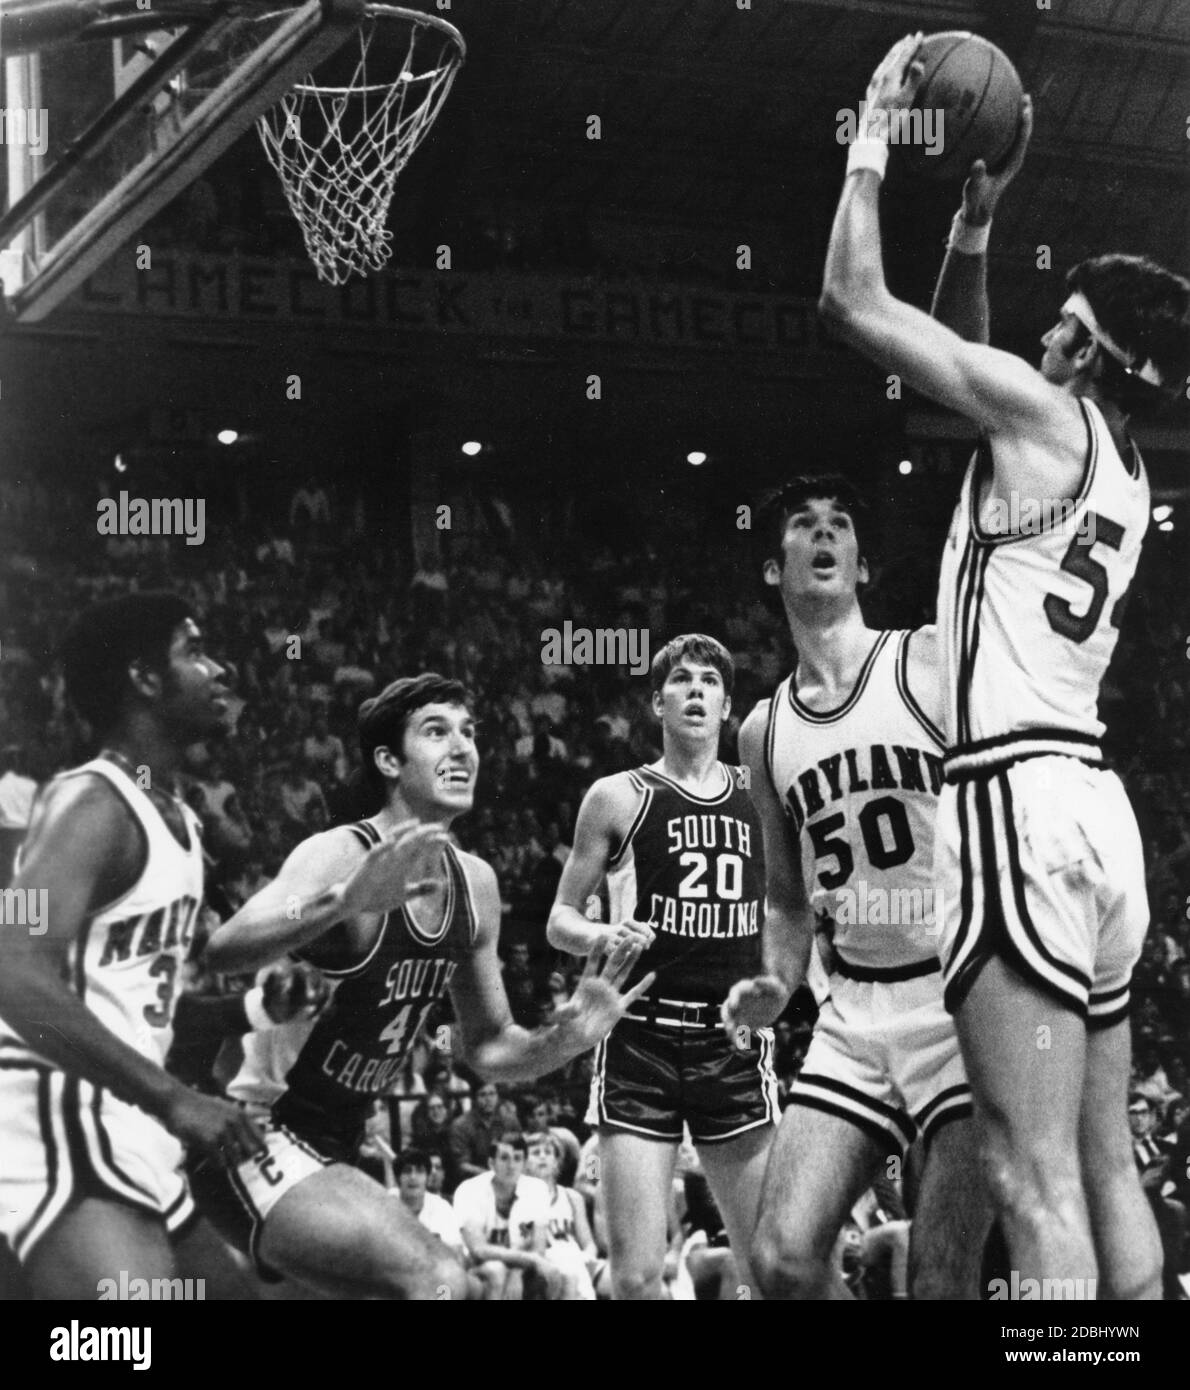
(316, 613)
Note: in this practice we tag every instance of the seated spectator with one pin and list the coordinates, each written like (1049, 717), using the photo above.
(441, 1076)
(551, 703)
(570, 1246)
(471, 1134)
(541, 1110)
(508, 1112)
(310, 505)
(504, 1217)
(436, 1179)
(351, 677)
(430, 1130)
(298, 790)
(1153, 1163)
(324, 752)
(541, 742)
(434, 1212)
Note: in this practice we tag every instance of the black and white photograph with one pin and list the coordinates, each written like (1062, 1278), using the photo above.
(595, 664)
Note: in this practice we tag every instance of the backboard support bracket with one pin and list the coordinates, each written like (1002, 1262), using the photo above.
(301, 41)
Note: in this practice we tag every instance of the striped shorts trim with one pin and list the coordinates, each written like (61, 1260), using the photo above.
(888, 1126)
(993, 922)
(66, 1140)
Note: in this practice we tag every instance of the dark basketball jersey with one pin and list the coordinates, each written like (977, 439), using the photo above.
(694, 868)
(337, 1064)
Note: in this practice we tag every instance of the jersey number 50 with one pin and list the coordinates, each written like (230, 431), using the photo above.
(884, 808)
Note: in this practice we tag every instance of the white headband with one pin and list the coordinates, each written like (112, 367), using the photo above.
(1079, 305)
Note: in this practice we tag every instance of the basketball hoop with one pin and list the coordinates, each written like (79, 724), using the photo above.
(339, 149)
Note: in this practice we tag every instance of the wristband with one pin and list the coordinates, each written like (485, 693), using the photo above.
(258, 1015)
(966, 239)
(868, 153)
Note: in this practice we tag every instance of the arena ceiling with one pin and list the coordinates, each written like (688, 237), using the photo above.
(718, 126)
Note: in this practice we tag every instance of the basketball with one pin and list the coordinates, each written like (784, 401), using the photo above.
(976, 93)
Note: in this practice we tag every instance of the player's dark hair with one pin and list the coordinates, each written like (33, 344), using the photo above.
(105, 639)
(412, 1160)
(1145, 309)
(696, 647)
(512, 1139)
(383, 719)
(780, 503)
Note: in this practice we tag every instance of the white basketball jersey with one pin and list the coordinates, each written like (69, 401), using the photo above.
(860, 786)
(1028, 620)
(561, 1220)
(126, 962)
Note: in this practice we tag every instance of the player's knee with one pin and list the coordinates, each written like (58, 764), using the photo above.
(1027, 1184)
(784, 1268)
(435, 1278)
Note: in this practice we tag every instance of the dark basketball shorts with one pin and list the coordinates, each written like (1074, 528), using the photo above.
(237, 1201)
(650, 1077)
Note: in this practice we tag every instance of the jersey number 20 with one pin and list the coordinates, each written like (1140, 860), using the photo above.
(729, 875)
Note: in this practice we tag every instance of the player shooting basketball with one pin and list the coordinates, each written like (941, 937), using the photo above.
(1038, 861)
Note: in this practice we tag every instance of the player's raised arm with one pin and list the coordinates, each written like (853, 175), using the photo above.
(76, 850)
(961, 294)
(999, 391)
(603, 819)
(499, 1049)
(325, 880)
(788, 934)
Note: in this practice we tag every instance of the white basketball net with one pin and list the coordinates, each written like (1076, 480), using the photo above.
(339, 150)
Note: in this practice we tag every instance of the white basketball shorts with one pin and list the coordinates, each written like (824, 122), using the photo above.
(1040, 863)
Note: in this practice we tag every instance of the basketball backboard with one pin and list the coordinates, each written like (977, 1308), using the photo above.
(112, 107)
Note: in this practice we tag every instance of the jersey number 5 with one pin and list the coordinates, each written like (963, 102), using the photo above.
(1079, 562)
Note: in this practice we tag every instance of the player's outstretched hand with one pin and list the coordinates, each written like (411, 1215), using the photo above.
(631, 930)
(597, 1004)
(214, 1128)
(754, 1003)
(983, 191)
(406, 864)
(895, 82)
